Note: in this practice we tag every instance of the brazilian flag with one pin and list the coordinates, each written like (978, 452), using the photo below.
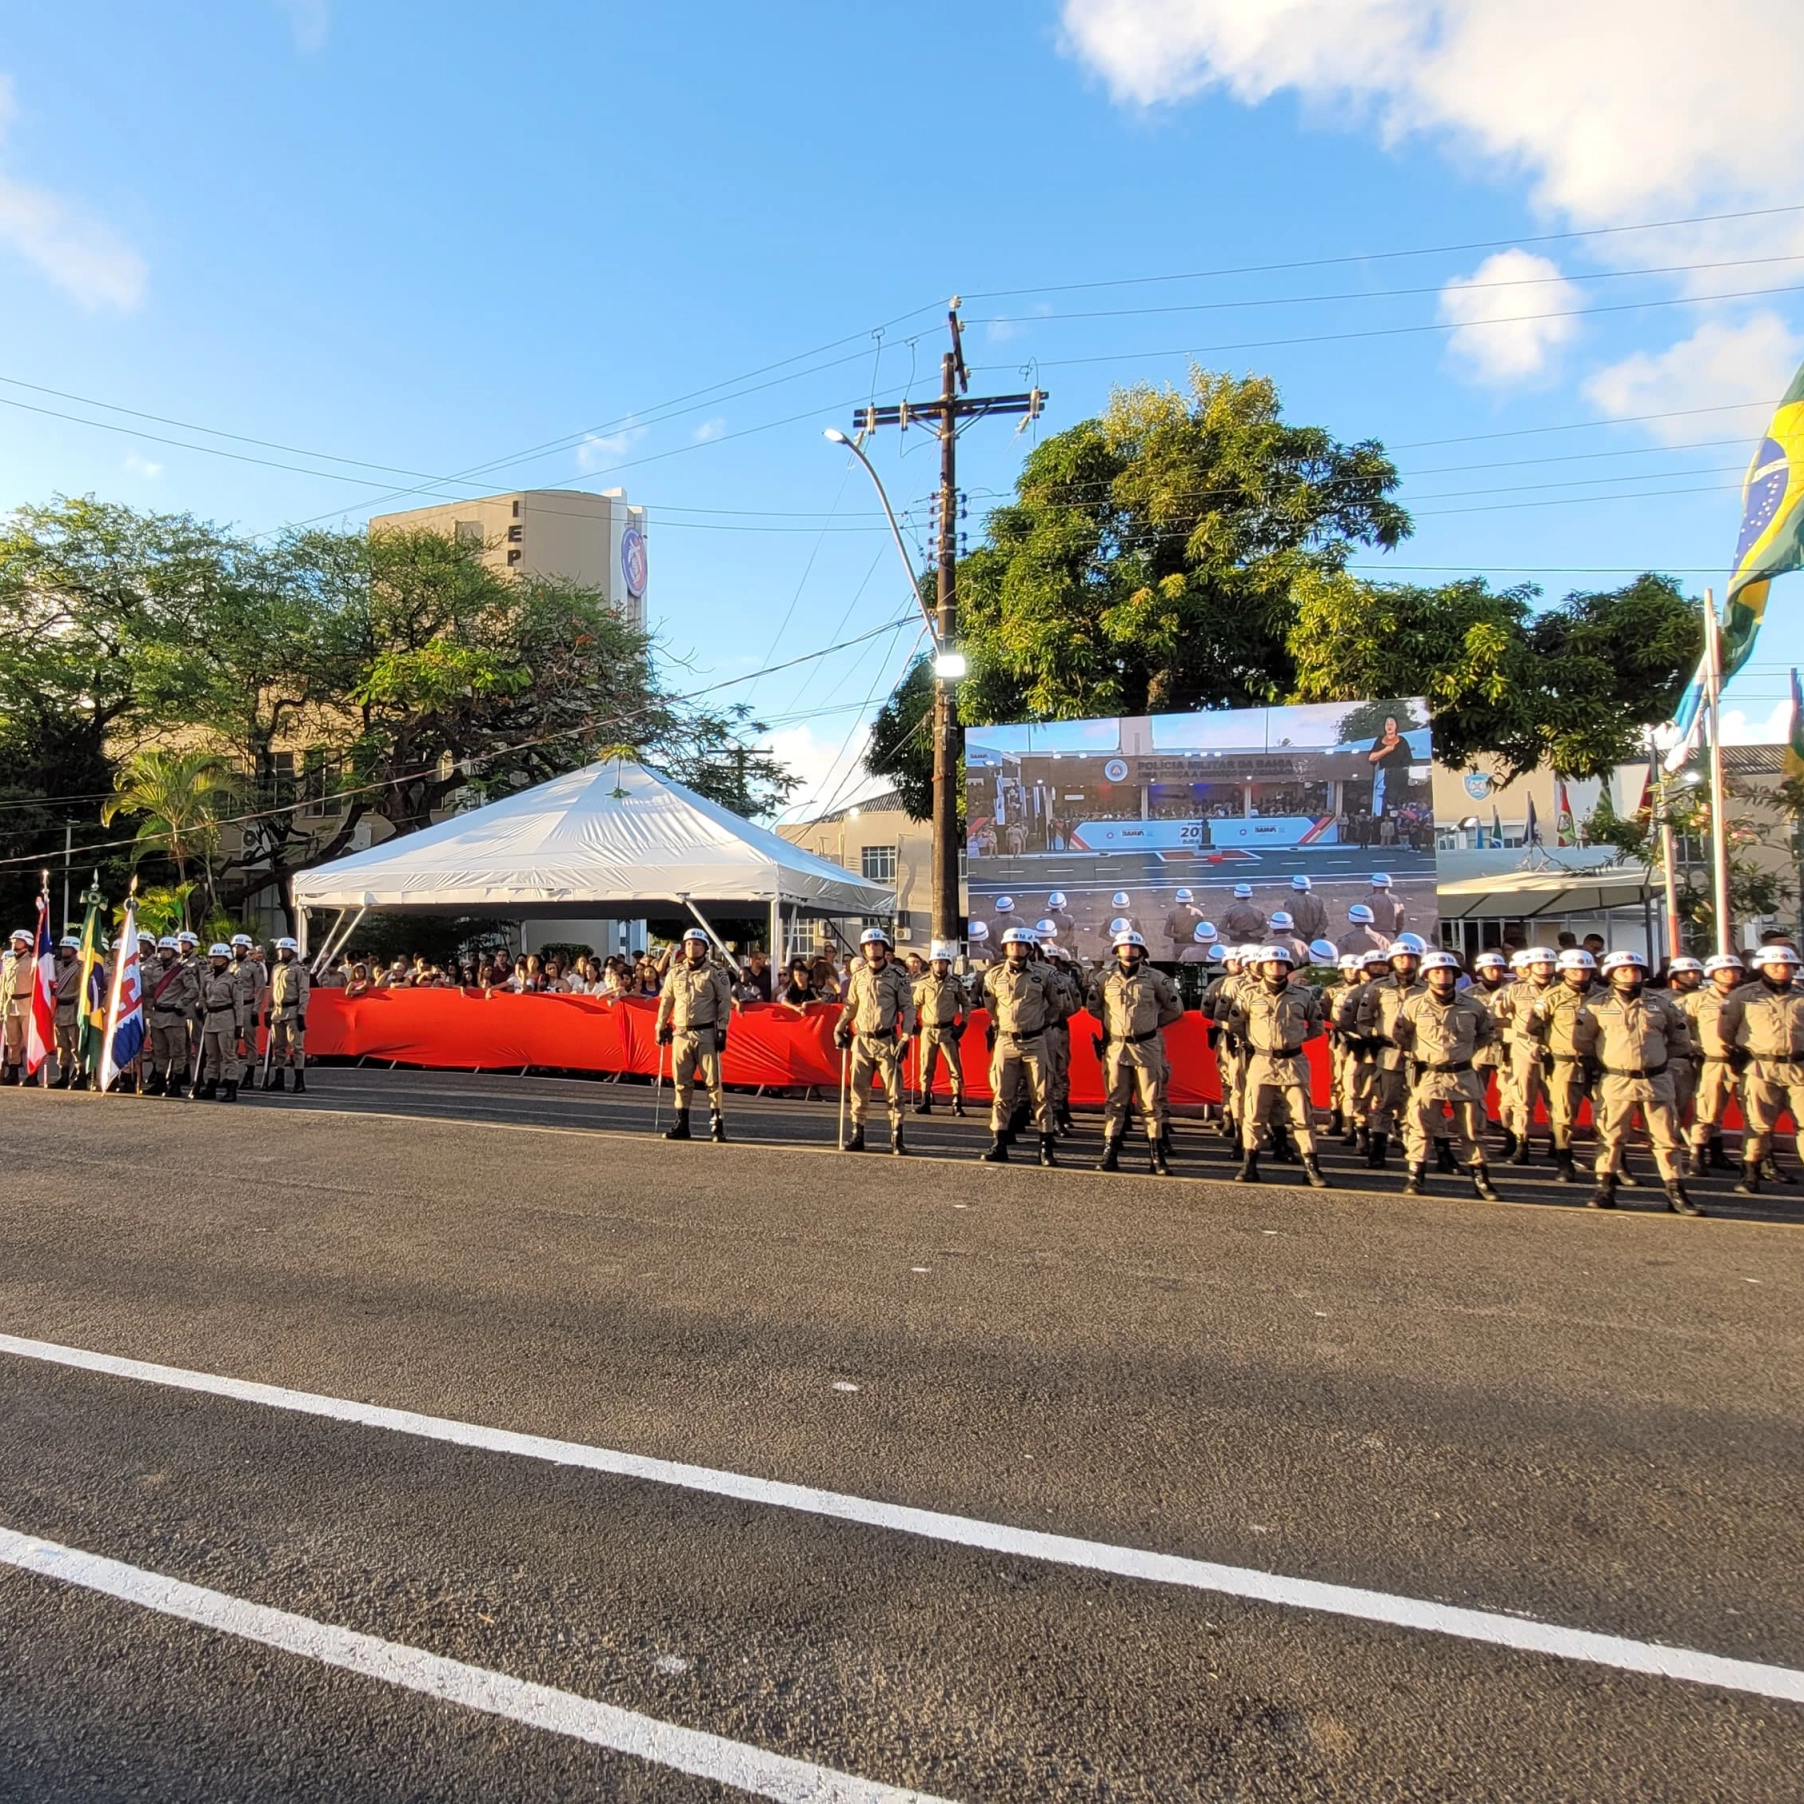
(1772, 526)
(91, 1032)
(1794, 740)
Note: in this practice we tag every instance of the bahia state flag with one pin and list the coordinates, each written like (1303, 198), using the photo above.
(40, 1032)
(1771, 544)
(125, 1004)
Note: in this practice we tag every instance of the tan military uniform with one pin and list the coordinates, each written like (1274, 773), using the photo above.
(1376, 1020)
(1132, 1013)
(171, 996)
(222, 1017)
(1244, 922)
(1180, 926)
(1068, 998)
(1275, 1025)
(880, 1011)
(15, 1001)
(1021, 1005)
(1341, 1064)
(289, 988)
(1307, 914)
(1768, 1025)
(1552, 1020)
(1492, 1059)
(1230, 1059)
(1442, 1041)
(1685, 1071)
(1718, 1084)
(248, 975)
(1387, 912)
(1634, 1040)
(1528, 1068)
(68, 1015)
(941, 1003)
(696, 1004)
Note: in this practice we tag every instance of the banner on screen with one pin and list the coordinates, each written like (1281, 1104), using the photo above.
(1305, 806)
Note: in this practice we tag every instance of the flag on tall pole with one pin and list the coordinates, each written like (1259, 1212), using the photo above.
(125, 1002)
(1531, 833)
(1794, 740)
(40, 1033)
(1496, 826)
(1771, 544)
(1565, 828)
(90, 1027)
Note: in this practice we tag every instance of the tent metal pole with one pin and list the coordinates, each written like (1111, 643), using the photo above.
(330, 931)
(708, 928)
(335, 942)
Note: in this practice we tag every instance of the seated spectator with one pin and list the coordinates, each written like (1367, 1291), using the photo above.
(357, 982)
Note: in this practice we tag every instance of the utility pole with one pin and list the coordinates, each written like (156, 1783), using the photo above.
(944, 416)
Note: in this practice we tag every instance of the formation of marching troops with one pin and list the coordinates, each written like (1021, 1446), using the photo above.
(201, 1016)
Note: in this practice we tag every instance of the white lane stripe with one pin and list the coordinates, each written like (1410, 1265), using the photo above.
(1520, 1633)
(735, 1763)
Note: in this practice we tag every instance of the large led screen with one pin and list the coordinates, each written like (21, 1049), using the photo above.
(1338, 794)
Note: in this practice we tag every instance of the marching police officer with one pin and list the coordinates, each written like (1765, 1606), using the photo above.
(1306, 910)
(1764, 1022)
(1440, 1031)
(289, 985)
(942, 1004)
(1275, 1018)
(1005, 916)
(1716, 1056)
(1243, 921)
(1181, 923)
(694, 1008)
(981, 954)
(222, 1017)
(171, 997)
(1386, 907)
(877, 1022)
(1633, 1034)
(1133, 1005)
(1361, 936)
(1061, 917)
(1021, 1006)
(1284, 930)
(1203, 941)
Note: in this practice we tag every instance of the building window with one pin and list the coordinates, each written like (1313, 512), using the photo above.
(468, 532)
(878, 864)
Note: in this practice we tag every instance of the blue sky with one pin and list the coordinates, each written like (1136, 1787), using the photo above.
(436, 239)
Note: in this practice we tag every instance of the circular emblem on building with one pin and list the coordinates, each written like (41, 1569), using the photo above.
(1478, 785)
(1116, 770)
(633, 561)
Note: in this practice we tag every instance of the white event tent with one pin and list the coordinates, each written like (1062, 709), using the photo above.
(609, 841)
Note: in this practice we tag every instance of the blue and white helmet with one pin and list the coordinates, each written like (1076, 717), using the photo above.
(1381, 880)
(1299, 883)
(1005, 905)
(1047, 930)
(1120, 924)
(1322, 952)
(1204, 933)
(1056, 899)
(872, 936)
(1360, 915)
(1184, 895)
(1244, 891)
(1282, 922)
(1119, 899)
(976, 932)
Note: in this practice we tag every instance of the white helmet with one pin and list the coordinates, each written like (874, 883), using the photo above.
(187, 937)
(168, 943)
(1439, 961)
(1349, 962)
(1490, 961)
(1056, 899)
(1360, 915)
(1722, 961)
(1204, 933)
(1120, 924)
(1020, 936)
(1381, 880)
(1119, 899)
(1184, 895)
(1047, 930)
(977, 932)
(219, 949)
(19, 933)
(1576, 958)
(1005, 905)
(1685, 964)
(1776, 955)
(1244, 891)
(872, 936)
(695, 933)
(1616, 961)
(1126, 937)
(1282, 922)
(1411, 944)
(1376, 956)
(70, 942)
(242, 939)
(1321, 952)
(1519, 958)
(1276, 954)
(1299, 882)
(1540, 955)
(287, 945)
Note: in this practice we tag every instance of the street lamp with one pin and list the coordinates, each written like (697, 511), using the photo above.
(834, 436)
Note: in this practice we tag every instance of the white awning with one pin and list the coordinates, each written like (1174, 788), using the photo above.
(1522, 895)
(607, 841)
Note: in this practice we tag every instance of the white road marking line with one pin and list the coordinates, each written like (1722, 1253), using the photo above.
(734, 1763)
(1524, 1634)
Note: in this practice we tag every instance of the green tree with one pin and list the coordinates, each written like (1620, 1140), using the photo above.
(901, 747)
(178, 799)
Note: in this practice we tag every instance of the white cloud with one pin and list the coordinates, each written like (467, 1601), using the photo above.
(1499, 339)
(709, 430)
(597, 451)
(1750, 361)
(81, 255)
(310, 21)
(831, 768)
(1608, 106)
(135, 465)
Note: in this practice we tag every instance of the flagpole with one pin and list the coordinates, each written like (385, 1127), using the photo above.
(1668, 853)
(1719, 821)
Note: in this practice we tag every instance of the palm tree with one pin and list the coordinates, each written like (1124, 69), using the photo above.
(180, 797)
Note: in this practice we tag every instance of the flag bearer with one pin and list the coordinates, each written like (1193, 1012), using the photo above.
(67, 977)
(289, 986)
(222, 1015)
(876, 1022)
(1133, 1005)
(694, 1009)
(171, 996)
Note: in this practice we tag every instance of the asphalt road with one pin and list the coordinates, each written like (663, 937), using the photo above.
(1584, 1419)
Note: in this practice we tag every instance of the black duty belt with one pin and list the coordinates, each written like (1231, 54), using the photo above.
(1795, 1063)
(1565, 1058)
(1636, 1071)
(878, 1033)
(1717, 1058)
(1152, 1033)
(1032, 1034)
(220, 1011)
(1457, 1065)
(1279, 1052)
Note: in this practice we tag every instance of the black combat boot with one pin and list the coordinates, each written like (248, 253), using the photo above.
(1249, 1169)
(1568, 1172)
(1750, 1179)
(1282, 1150)
(1312, 1170)
(717, 1129)
(1355, 1134)
(206, 1092)
(1378, 1151)
(1719, 1158)
(300, 1083)
(62, 1081)
(1604, 1196)
(228, 1090)
(1337, 1123)
(1769, 1169)
(1416, 1184)
(1482, 1185)
(1507, 1147)
(153, 1085)
(896, 1145)
(1444, 1160)
(1155, 1156)
(854, 1142)
(1678, 1202)
(1625, 1176)
(925, 1105)
(277, 1080)
(1047, 1143)
(79, 1081)
(678, 1129)
(1017, 1121)
(1111, 1154)
(1694, 1162)
(998, 1152)
(958, 1105)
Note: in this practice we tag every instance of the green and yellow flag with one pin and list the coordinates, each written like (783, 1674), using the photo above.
(91, 1031)
(1794, 740)
(1772, 526)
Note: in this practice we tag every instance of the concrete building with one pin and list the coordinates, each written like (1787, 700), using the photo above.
(877, 839)
(596, 540)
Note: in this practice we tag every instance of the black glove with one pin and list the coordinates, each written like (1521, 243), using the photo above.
(958, 1031)
(1100, 1044)
(665, 1035)
(300, 1021)
(720, 1039)
(1214, 1038)
(842, 1036)
(1739, 1059)
(989, 1034)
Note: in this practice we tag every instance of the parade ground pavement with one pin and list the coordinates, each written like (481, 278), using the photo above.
(438, 1437)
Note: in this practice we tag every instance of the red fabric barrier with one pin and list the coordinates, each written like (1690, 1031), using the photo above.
(768, 1044)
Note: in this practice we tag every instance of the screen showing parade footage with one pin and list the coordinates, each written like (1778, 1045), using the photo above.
(1316, 813)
